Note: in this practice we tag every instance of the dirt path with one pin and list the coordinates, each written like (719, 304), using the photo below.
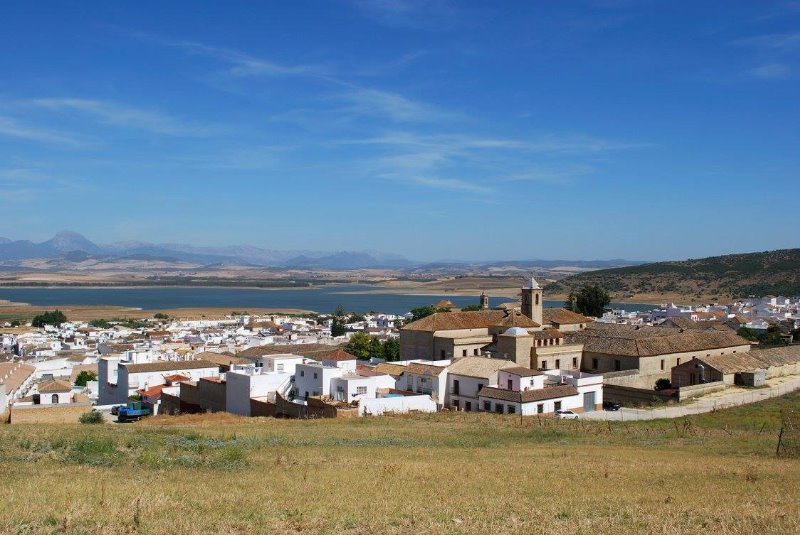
(720, 400)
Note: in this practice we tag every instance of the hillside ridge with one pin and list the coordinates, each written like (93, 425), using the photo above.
(722, 277)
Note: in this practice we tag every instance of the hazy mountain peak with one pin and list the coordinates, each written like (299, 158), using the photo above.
(66, 241)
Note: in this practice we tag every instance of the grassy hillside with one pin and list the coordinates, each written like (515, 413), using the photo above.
(731, 276)
(463, 473)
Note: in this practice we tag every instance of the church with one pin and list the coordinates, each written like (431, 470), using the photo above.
(531, 336)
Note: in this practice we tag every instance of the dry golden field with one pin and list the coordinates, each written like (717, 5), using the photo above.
(460, 473)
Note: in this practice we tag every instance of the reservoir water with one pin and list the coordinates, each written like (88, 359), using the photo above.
(351, 297)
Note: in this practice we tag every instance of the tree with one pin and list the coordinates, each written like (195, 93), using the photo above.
(84, 377)
(589, 301)
(391, 349)
(337, 325)
(360, 345)
(54, 318)
(375, 347)
(100, 324)
(471, 308)
(355, 318)
(423, 312)
(160, 316)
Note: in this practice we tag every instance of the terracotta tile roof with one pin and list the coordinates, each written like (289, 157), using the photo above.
(479, 367)
(562, 316)
(424, 369)
(304, 350)
(389, 368)
(54, 386)
(547, 334)
(778, 356)
(527, 396)
(176, 378)
(153, 391)
(221, 359)
(169, 365)
(519, 371)
(337, 355)
(482, 319)
(632, 341)
(689, 324)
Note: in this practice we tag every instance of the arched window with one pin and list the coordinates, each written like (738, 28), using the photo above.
(537, 299)
(54, 399)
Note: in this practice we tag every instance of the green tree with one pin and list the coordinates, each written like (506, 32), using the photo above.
(339, 319)
(589, 301)
(84, 377)
(471, 308)
(100, 324)
(391, 349)
(423, 312)
(355, 317)
(160, 316)
(360, 345)
(375, 347)
(54, 318)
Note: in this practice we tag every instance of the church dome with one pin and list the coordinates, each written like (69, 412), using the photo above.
(516, 331)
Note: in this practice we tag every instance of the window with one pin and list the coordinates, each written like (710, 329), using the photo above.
(475, 351)
(594, 364)
(361, 390)
(498, 408)
(544, 364)
(558, 364)
(540, 408)
(512, 409)
(280, 367)
(302, 373)
(455, 386)
(617, 365)
(480, 387)
(468, 406)
(54, 399)
(487, 405)
(537, 299)
(315, 375)
(510, 384)
(464, 353)
(679, 362)
(574, 362)
(455, 404)
(557, 406)
(662, 364)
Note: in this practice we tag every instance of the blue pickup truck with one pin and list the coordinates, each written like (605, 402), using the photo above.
(131, 412)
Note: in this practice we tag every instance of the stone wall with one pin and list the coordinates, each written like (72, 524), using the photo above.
(686, 392)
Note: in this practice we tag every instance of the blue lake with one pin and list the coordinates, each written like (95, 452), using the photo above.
(350, 297)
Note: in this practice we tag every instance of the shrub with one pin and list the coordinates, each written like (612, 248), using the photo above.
(91, 417)
(663, 384)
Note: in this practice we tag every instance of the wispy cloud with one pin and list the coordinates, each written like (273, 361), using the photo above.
(453, 184)
(121, 115)
(772, 41)
(393, 106)
(11, 128)
(772, 71)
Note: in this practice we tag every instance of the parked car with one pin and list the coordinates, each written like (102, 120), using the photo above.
(611, 406)
(566, 415)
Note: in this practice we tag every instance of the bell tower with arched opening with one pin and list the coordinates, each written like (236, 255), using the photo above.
(532, 301)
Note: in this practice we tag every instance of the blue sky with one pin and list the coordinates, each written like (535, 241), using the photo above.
(437, 130)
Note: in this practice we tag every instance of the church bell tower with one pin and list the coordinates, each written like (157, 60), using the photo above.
(532, 300)
(484, 301)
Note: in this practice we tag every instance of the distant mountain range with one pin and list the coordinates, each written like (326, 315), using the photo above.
(729, 276)
(73, 247)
